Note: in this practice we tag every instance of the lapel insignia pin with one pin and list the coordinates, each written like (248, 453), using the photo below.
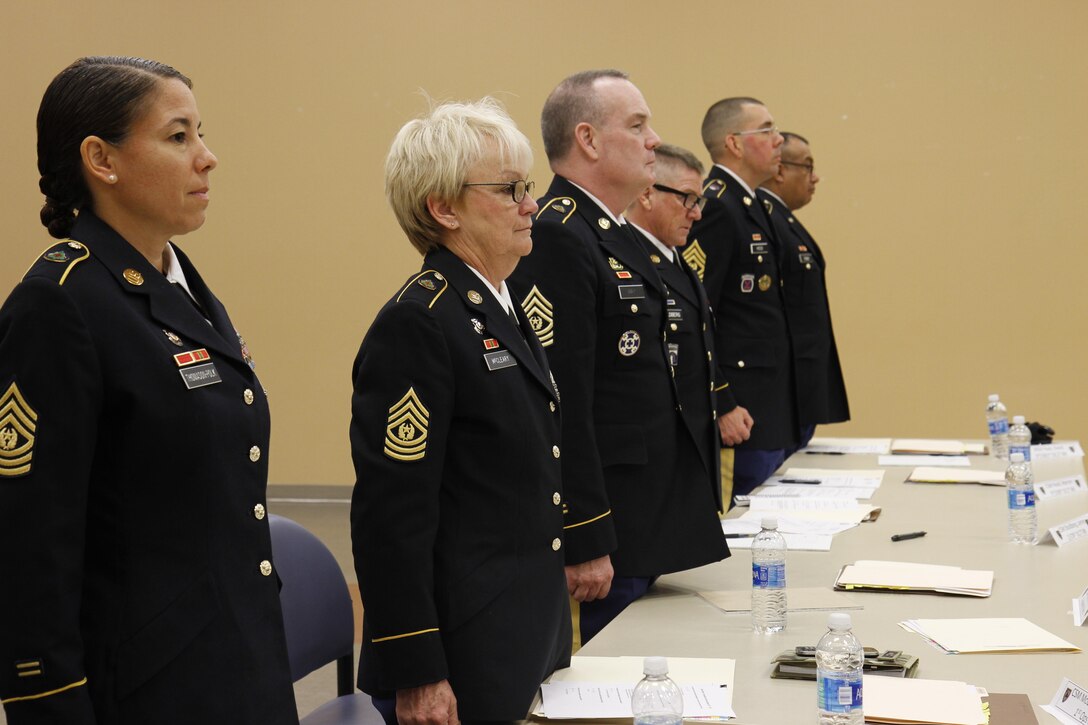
(614, 263)
(629, 343)
(655, 259)
(477, 326)
(747, 201)
(538, 310)
(603, 223)
(133, 277)
(474, 297)
(764, 283)
(18, 423)
(172, 337)
(406, 429)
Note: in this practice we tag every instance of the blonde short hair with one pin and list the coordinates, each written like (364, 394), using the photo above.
(432, 155)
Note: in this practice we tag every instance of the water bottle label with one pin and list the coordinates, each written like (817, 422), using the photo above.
(1026, 450)
(999, 427)
(1021, 499)
(838, 694)
(769, 576)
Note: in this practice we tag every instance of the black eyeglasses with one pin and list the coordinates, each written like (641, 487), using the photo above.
(518, 189)
(690, 200)
(809, 168)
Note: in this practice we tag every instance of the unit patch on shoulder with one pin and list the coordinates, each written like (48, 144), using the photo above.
(541, 318)
(406, 430)
(695, 257)
(18, 423)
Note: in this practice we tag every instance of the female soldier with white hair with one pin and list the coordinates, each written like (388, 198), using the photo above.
(457, 516)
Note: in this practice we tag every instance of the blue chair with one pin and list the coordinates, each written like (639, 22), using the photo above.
(318, 621)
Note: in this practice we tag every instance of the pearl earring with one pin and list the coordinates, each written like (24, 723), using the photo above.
(112, 178)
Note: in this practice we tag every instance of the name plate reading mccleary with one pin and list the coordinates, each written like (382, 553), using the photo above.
(500, 359)
(1059, 487)
(1070, 531)
(199, 376)
(1069, 704)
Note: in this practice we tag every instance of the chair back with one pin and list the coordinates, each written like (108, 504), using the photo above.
(317, 611)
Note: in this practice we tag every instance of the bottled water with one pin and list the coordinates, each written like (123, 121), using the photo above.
(839, 658)
(1020, 439)
(769, 579)
(1023, 520)
(997, 417)
(656, 700)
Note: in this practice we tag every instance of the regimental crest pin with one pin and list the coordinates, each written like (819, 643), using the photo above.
(538, 310)
(629, 343)
(18, 424)
(764, 283)
(695, 257)
(614, 263)
(656, 259)
(477, 326)
(406, 429)
(474, 297)
(747, 283)
(604, 223)
(133, 277)
(172, 337)
(747, 201)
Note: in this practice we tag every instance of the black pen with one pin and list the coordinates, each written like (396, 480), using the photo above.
(824, 453)
(813, 481)
(739, 536)
(911, 535)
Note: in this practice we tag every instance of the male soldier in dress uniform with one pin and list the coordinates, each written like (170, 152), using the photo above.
(662, 216)
(735, 252)
(638, 498)
(821, 392)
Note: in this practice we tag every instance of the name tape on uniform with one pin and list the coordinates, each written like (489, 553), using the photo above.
(200, 376)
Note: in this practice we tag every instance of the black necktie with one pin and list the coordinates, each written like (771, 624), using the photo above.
(514, 320)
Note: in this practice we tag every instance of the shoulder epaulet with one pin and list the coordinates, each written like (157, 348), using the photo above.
(427, 287)
(714, 188)
(560, 205)
(58, 261)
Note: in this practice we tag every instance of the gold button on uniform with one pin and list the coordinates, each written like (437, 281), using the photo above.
(266, 567)
(634, 307)
(551, 405)
(247, 396)
(740, 363)
(556, 498)
(255, 454)
(555, 451)
(258, 512)
(672, 326)
(556, 543)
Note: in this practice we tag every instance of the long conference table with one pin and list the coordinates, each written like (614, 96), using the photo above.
(966, 525)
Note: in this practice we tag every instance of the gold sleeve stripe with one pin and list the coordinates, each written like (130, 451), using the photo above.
(402, 636)
(45, 694)
(721, 387)
(588, 521)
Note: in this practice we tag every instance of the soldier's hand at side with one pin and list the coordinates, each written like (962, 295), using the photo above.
(735, 426)
(590, 580)
(432, 704)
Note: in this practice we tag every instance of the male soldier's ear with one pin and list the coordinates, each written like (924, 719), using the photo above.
(586, 138)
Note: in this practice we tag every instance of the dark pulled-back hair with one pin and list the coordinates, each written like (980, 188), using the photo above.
(572, 102)
(94, 96)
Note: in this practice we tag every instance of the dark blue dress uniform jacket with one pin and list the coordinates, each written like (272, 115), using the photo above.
(456, 517)
(138, 585)
(821, 392)
(637, 485)
(734, 250)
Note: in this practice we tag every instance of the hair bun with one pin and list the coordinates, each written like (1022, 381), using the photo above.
(58, 218)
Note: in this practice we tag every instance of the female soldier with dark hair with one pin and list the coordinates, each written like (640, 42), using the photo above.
(138, 578)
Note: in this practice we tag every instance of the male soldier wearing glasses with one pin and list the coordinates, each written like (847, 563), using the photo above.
(735, 251)
(821, 392)
(638, 500)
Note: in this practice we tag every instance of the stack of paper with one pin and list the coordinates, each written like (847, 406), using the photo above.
(840, 446)
(974, 636)
(600, 687)
(910, 577)
(931, 447)
(936, 702)
(937, 474)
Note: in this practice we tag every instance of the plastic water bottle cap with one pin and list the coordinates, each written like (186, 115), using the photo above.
(994, 397)
(839, 620)
(770, 523)
(655, 666)
(1018, 420)
(1016, 458)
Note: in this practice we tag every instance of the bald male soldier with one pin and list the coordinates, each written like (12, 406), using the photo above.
(734, 250)
(639, 500)
(821, 392)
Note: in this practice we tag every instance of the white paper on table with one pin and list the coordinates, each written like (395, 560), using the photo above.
(894, 699)
(744, 527)
(786, 525)
(1080, 608)
(1061, 449)
(988, 635)
(936, 447)
(789, 503)
(838, 477)
(910, 575)
(924, 461)
(1069, 704)
(1058, 487)
(811, 491)
(568, 700)
(848, 445)
(938, 474)
(794, 542)
(851, 516)
(800, 599)
(628, 671)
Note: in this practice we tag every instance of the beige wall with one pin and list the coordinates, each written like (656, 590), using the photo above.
(946, 135)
